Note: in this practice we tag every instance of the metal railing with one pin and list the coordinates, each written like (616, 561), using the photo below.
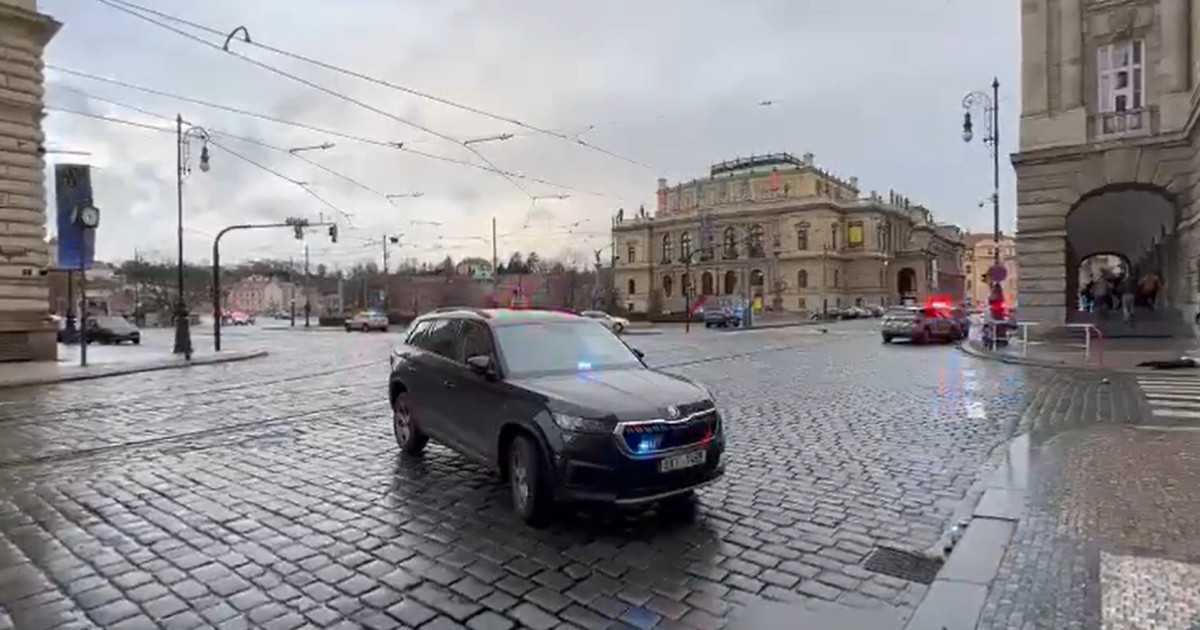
(1087, 342)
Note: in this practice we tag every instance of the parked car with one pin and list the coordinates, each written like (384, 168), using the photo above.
(564, 410)
(721, 317)
(368, 321)
(616, 324)
(112, 330)
(921, 324)
(237, 318)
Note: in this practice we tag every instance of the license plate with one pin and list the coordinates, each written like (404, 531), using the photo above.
(679, 462)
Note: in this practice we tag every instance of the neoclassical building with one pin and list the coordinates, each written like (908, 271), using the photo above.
(26, 331)
(780, 228)
(1108, 161)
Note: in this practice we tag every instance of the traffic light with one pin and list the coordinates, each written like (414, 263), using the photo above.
(299, 228)
(333, 232)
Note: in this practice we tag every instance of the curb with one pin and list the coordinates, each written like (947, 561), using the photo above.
(133, 369)
(986, 355)
(768, 326)
(323, 329)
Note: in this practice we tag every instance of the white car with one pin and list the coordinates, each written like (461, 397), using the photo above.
(616, 324)
(367, 321)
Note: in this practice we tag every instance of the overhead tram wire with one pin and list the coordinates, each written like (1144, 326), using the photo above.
(395, 146)
(321, 88)
(133, 123)
(239, 138)
(131, 7)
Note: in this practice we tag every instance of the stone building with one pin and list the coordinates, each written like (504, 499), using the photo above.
(1108, 160)
(782, 229)
(26, 331)
(981, 255)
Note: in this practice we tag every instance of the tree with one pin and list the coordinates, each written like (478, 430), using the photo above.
(516, 264)
(322, 270)
(533, 263)
(157, 285)
(447, 266)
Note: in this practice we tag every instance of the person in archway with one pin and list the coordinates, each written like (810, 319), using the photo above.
(1127, 292)
(1148, 287)
(1100, 297)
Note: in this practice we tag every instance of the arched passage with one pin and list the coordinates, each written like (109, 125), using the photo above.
(906, 282)
(1135, 226)
(706, 283)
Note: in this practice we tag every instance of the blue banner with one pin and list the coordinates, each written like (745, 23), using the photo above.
(73, 192)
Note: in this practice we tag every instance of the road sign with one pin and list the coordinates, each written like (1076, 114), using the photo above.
(997, 273)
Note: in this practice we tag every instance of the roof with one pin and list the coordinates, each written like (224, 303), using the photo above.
(505, 315)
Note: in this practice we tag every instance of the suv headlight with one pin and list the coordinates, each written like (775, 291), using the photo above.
(569, 422)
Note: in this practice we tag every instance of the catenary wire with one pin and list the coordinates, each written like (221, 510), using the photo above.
(574, 139)
(395, 146)
(323, 89)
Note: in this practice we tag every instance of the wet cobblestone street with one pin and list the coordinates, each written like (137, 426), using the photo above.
(270, 493)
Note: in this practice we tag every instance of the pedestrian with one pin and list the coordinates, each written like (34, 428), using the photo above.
(1100, 299)
(1127, 291)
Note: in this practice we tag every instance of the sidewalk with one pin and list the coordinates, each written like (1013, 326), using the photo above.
(106, 361)
(1119, 355)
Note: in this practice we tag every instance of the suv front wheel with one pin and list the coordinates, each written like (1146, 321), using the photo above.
(527, 481)
(408, 437)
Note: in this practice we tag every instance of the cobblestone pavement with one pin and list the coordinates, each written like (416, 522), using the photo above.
(1111, 536)
(270, 493)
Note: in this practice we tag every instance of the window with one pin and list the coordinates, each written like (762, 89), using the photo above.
(632, 287)
(802, 238)
(756, 241)
(802, 279)
(685, 246)
(562, 348)
(441, 338)
(476, 340)
(854, 234)
(801, 304)
(668, 283)
(1121, 78)
(730, 243)
(668, 248)
(833, 237)
(837, 278)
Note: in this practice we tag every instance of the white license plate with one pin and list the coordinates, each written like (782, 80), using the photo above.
(679, 462)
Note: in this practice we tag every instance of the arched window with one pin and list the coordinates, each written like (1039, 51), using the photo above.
(730, 243)
(668, 283)
(756, 241)
(837, 278)
(685, 245)
(632, 287)
(668, 248)
(802, 279)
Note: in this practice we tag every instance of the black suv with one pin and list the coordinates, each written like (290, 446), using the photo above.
(559, 405)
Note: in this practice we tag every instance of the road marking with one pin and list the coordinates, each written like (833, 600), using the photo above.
(976, 410)
(1171, 397)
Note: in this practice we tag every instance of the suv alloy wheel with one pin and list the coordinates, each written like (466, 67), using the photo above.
(527, 481)
(408, 437)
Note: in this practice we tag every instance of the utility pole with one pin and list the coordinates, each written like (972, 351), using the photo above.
(292, 287)
(307, 289)
(612, 268)
(137, 288)
(495, 265)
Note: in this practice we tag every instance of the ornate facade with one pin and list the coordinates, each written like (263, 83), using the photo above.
(26, 331)
(780, 228)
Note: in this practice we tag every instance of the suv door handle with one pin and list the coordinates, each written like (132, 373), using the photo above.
(449, 384)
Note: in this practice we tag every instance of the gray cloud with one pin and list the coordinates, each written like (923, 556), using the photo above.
(872, 87)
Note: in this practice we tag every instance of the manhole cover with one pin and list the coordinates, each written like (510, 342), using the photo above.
(903, 564)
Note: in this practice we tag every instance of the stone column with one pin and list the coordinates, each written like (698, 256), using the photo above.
(1034, 44)
(1174, 63)
(26, 331)
(1071, 47)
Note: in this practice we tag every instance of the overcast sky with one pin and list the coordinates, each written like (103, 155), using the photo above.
(872, 87)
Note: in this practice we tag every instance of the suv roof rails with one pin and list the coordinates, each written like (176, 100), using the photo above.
(469, 309)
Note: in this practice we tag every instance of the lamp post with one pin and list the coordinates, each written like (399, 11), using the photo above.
(183, 335)
(990, 103)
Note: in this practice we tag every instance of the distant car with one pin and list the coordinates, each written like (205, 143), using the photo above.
(616, 324)
(368, 321)
(721, 317)
(921, 324)
(112, 330)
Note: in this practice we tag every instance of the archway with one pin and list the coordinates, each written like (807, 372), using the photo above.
(1133, 224)
(756, 283)
(906, 282)
(706, 283)
(730, 282)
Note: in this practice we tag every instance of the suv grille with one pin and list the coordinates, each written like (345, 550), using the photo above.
(654, 437)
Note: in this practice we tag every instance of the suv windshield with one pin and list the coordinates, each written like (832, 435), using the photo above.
(115, 324)
(901, 313)
(562, 347)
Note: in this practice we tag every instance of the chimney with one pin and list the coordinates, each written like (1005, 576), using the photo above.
(662, 183)
(854, 183)
(808, 159)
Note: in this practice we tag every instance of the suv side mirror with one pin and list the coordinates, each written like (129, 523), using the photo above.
(482, 365)
(639, 353)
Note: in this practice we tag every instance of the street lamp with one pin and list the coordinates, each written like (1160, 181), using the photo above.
(183, 335)
(990, 104)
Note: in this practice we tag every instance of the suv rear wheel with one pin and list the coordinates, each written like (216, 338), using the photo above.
(408, 437)
(527, 481)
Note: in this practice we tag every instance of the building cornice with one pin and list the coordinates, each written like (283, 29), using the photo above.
(42, 26)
